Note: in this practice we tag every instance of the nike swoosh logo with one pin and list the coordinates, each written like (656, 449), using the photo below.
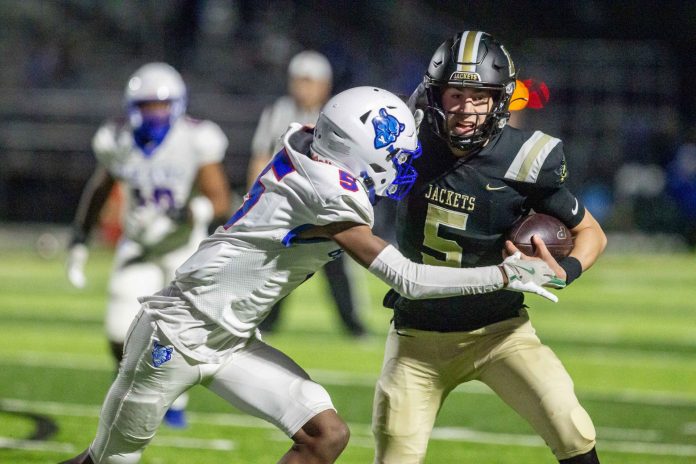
(529, 270)
(575, 209)
(491, 188)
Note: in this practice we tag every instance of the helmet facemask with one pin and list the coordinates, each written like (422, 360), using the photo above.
(402, 172)
(495, 119)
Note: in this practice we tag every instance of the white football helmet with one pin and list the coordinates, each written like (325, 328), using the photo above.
(155, 82)
(370, 133)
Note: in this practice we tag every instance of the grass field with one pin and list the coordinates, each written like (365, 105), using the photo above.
(626, 332)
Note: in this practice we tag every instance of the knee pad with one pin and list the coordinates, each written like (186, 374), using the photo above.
(577, 436)
(123, 440)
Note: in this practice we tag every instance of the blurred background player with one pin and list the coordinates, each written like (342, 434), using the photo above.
(169, 166)
(477, 176)
(309, 86)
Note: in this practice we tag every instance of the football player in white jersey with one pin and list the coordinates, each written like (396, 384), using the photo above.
(310, 203)
(310, 79)
(170, 166)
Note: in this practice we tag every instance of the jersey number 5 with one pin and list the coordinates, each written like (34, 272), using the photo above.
(446, 252)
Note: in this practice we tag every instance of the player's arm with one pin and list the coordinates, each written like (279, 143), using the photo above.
(91, 202)
(589, 242)
(212, 184)
(417, 281)
(257, 162)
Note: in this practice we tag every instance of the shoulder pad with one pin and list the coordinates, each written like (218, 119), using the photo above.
(209, 140)
(528, 162)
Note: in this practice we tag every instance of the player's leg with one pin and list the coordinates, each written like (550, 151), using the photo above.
(152, 375)
(342, 291)
(586, 458)
(175, 416)
(82, 458)
(266, 383)
(408, 396)
(270, 323)
(531, 379)
(130, 278)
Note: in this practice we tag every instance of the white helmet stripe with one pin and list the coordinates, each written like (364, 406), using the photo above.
(467, 55)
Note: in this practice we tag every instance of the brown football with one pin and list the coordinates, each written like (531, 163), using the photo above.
(553, 232)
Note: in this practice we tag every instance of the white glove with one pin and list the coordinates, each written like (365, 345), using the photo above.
(530, 275)
(75, 265)
(148, 225)
(202, 211)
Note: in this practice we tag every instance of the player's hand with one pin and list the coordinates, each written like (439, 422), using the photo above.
(201, 210)
(541, 252)
(148, 225)
(75, 265)
(525, 274)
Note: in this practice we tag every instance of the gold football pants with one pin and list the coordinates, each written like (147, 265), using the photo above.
(421, 368)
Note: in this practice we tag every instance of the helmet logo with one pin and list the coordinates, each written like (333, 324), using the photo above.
(465, 76)
(387, 128)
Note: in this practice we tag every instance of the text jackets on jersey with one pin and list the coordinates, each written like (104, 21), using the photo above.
(459, 210)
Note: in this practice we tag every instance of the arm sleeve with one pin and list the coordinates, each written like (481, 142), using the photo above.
(421, 281)
(550, 194)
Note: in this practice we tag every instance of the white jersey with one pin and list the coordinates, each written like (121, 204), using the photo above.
(274, 122)
(162, 181)
(229, 285)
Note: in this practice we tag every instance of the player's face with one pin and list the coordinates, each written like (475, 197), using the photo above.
(155, 109)
(466, 108)
(309, 93)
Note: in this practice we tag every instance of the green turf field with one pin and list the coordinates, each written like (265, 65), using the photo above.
(626, 332)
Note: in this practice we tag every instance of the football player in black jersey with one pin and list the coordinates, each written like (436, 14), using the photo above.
(477, 176)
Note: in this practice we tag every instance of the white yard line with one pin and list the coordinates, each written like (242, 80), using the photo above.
(344, 378)
(31, 445)
(361, 433)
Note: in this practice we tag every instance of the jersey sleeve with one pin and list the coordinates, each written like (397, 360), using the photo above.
(210, 143)
(347, 208)
(549, 193)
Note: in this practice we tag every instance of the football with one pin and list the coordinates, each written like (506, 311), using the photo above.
(553, 232)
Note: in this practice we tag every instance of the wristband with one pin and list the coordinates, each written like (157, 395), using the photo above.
(572, 267)
(78, 237)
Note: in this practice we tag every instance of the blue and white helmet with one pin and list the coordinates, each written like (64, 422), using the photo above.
(370, 133)
(155, 82)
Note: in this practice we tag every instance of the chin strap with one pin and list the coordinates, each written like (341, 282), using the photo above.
(370, 187)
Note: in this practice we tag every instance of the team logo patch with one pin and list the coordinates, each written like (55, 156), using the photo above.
(387, 128)
(161, 354)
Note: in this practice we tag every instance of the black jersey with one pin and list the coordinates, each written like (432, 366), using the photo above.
(459, 210)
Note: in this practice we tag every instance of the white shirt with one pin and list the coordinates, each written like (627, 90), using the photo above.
(274, 122)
